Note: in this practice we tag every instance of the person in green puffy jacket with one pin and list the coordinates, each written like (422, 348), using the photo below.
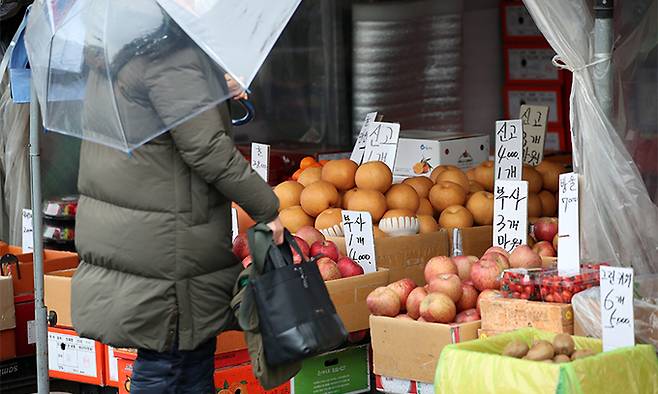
(153, 228)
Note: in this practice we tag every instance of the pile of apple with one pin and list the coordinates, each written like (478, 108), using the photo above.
(313, 245)
(544, 232)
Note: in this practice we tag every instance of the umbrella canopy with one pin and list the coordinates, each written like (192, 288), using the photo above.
(79, 51)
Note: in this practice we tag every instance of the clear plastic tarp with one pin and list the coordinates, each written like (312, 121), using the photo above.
(619, 221)
(100, 66)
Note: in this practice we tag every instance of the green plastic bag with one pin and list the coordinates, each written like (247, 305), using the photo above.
(477, 367)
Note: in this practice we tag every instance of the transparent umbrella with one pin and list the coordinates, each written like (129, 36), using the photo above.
(83, 55)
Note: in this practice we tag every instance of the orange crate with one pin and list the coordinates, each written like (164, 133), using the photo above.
(23, 275)
(73, 358)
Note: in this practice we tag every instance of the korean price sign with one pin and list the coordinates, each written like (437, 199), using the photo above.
(359, 239)
(382, 143)
(509, 149)
(510, 227)
(260, 159)
(617, 319)
(360, 145)
(568, 253)
(27, 243)
(533, 119)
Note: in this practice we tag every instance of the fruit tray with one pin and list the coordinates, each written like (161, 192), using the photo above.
(58, 233)
(64, 208)
(561, 289)
(521, 283)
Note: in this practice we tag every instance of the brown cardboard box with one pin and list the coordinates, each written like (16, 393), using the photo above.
(57, 295)
(405, 257)
(349, 297)
(475, 240)
(7, 310)
(23, 275)
(507, 314)
(406, 349)
(7, 344)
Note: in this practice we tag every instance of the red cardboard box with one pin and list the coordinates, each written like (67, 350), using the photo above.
(531, 63)
(517, 23)
(516, 95)
(73, 358)
(24, 306)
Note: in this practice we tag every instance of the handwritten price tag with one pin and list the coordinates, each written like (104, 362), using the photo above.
(27, 243)
(235, 230)
(533, 118)
(260, 159)
(359, 239)
(509, 149)
(382, 143)
(617, 320)
(510, 214)
(360, 146)
(568, 255)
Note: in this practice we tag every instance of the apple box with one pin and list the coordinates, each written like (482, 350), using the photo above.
(507, 314)
(419, 151)
(345, 371)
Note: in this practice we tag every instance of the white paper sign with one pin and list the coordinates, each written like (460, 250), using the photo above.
(424, 388)
(509, 150)
(71, 354)
(31, 332)
(534, 119)
(382, 143)
(52, 209)
(360, 145)
(260, 159)
(568, 246)
(27, 243)
(359, 239)
(510, 214)
(235, 230)
(113, 364)
(617, 319)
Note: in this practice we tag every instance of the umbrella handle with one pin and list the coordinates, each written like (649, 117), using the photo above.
(248, 116)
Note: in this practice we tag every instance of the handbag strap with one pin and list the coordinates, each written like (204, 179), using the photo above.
(259, 238)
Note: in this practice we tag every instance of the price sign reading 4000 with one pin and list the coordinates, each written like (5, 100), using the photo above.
(509, 149)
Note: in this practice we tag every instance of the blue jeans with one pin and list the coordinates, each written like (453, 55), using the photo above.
(175, 372)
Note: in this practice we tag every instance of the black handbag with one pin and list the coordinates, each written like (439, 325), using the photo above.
(297, 319)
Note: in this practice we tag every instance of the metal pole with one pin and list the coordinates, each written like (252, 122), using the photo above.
(41, 326)
(603, 39)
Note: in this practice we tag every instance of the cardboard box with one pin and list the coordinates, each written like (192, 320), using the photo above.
(345, 371)
(57, 295)
(7, 310)
(73, 358)
(125, 360)
(410, 350)
(530, 63)
(405, 257)
(475, 240)
(7, 344)
(23, 275)
(517, 23)
(507, 314)
(387, 385)
(349, 297)
(111, 367)
(516, 95)
(436, 148)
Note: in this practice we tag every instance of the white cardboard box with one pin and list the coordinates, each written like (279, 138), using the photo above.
(435, 148)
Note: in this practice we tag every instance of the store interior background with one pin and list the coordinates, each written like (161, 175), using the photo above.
(305, 90)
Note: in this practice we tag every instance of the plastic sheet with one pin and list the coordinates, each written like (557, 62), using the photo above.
(619, 222)
(587, 311)
(477, 367)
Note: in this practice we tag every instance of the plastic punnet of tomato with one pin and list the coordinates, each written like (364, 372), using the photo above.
(561, 288)
(521, 283)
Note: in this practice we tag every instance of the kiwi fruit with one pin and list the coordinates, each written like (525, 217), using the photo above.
(541, 350)
(582, 353)
(561, 358)
(515, 349)
(563, 344)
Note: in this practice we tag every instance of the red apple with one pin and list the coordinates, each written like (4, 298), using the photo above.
(467, 315)
(438, 307)
(413, 302)
(439, 265)
(325, 248)
(545, 229)
(448, 284)
(485, 295)
(296, 258)
(241, 246)
(497, 249)
(403, 317)
(500, 259)
(246, 262)
(357, 336)
(421, 319)
(544, 249)
(328, 269)
(383, 302)
(348, 267)
(485, 275)
(524, 257)
(464, 264)
(555, 240)
(403, 288)
(468, 299)
(309, 234)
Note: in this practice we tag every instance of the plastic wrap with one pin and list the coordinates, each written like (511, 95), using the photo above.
(619, 222)
(587, 311)
(477, 367)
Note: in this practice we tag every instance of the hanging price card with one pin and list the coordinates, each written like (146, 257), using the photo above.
(533, 119)
(27, 243)
(360, 145)
(359, 239)
(509, 149)
(510, 227)
(235, 230)
(260, 159)
(382, 143)
(617, 320)
(568, 246)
